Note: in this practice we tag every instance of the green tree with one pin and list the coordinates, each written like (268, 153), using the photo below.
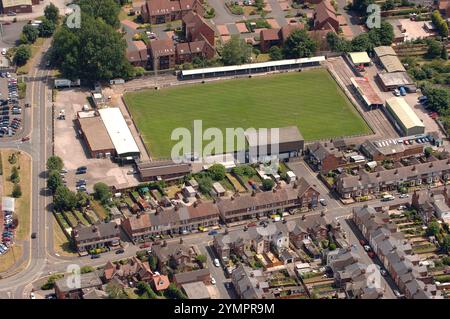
(86, 269)
(17, 191)
(276, 53)
(153, 262)
(434, 49)
(299, 45)
(47, 28)
(385, 33)
(267, 184)
(217, 172)
(433, 228)
(444, 52)
(145, 290)
(428, 151)
(54, 181)
(201, 258)
(235, 51)
(23, 53)
(108, 10)
(446, 244)
(361, 43)
(360, 6)
(55, 163)
(94, 52)
(15, 178)
(82, 199)
(172, 292)
(102, 192)
(64, 199)
(388, 5)
(51, 13)
(30, 33)
(438, 98)
(440, 23)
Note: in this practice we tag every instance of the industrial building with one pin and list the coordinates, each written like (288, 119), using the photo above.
(289, 141)
(404, 118)
(121, 137)
(167, 171)
(392, 81)
(96, 137)
(391, 63)
(366, 92)
(17, 6)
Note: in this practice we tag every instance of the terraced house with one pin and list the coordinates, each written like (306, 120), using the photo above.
(239, 207)
(96, 236)
(163, 11)
(365, 183)
(178, 219)
(395, 252)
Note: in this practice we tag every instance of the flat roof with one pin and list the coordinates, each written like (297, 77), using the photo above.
(392, 63)
(8, 204)
(196, 290)
(118, 131)
(95, 133)
(365, 89)
(404, 112)
(359, 57)
(253, 65)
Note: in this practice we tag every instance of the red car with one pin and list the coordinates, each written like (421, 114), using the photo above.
(371, 254)
(26, 138)
(146, 245)
(362, 242)
(251, 225)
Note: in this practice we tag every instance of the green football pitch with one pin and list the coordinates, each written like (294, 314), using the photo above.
(311, 100)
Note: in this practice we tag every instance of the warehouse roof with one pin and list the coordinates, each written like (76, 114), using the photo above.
(285, 135)
(395, 79)
(95, 133)
(403, 112)
(384, 50)
(118, 131)
(392, 63)
(359, 57)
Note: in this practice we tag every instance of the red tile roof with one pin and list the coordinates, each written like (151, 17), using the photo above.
(269, 34)
(164, 47)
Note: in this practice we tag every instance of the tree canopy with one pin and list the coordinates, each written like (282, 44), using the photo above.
(217, 172)
(30, 33)
(55, 163)
(108, 10)
(23, 53)
(64, 199)
(235, 51)
(47, 28)
(299, 45)
(51, 13)
(94, 52)
(102, 192)
(54, 181)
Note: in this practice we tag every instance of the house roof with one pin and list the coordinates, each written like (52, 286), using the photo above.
(286, 30)
(162, 7)
(269, 34)
(87, 280)
(395, 79)
(163, 47)
(183, 48)
(15, 3)
(191, 276)
(324, 10)
(160, 282)
(100, 230)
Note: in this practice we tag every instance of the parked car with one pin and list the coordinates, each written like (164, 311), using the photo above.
(371, 254)
(216, 262)
(33, 235)
(402, 91)
(396, 92)
(212, 232)
(404, 196)
(383, 272)
(213, 281)
(323, 202)
(95, 256)
(119, 251)
(366, 247)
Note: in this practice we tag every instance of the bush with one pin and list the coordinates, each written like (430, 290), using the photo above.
(267, 184)
(17, 191)
(86, 269)
(217, 172)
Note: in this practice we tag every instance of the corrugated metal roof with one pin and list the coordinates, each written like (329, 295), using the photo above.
(253, 66)
(404, 113)
(384, 50)
(118, 131)
(392, 63)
